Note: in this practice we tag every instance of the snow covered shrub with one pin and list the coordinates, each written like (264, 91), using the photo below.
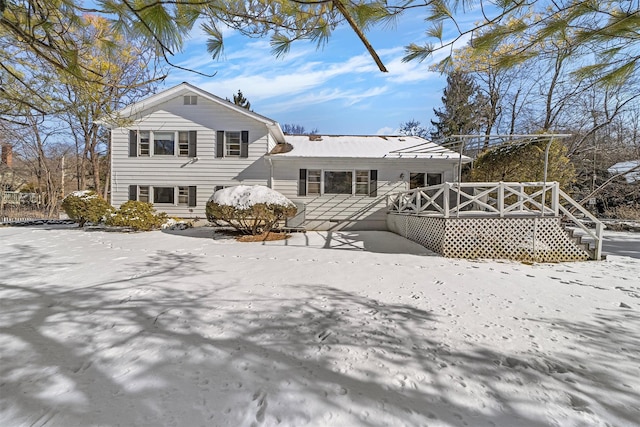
(176, 224)
(249, 209)
(86, 206)
(137, 215)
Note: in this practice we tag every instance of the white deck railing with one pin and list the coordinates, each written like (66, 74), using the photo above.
(495, 199)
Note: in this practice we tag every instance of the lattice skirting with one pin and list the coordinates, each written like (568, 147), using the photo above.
(522, 239)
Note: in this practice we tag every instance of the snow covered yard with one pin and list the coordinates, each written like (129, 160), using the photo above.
(324, 329)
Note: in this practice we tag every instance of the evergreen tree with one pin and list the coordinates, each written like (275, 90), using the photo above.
(413, 128)
(463, 106)
(241, 101)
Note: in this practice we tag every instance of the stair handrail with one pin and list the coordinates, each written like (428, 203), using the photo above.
(599, 226)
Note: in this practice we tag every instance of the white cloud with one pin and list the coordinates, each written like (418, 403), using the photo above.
(387, 131)
(347, 98)
(288, 79)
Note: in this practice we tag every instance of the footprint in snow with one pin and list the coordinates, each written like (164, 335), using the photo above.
(324, 334)
(261, 398)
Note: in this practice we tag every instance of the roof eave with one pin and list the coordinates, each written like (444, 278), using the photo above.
(157, 99)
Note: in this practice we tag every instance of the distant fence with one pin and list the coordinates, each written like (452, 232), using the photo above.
(16, 206)
(17, 198)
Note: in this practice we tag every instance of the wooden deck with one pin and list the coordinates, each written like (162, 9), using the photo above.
(489, 201)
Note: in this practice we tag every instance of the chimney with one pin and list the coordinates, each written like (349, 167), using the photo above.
(7, 155)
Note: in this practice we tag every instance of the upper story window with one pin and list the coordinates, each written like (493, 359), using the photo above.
(146, 143)
(232, 144)
(183, 143)
(164, 143)
(190, 100)
(350, 182)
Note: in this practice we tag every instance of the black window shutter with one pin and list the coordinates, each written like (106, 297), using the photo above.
(133, 192)
(133, 143)
(192, 195)
(373, 183)
(220, 144)
(244, 144)
(302, 183)
(193, 143)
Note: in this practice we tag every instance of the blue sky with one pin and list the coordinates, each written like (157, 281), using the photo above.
(337, 89)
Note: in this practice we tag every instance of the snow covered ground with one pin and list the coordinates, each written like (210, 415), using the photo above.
(324, 329)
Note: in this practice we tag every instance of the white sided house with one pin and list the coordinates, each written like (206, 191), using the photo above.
(175, 148)
(344, 181)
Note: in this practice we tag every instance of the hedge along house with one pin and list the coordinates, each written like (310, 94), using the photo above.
(175, 148)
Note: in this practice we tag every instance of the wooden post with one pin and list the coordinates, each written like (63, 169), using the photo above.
(445, 198)
(501, 199)
(598, 249)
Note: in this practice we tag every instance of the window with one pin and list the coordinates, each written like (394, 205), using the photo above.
(416, 180)
(190, 100)
(143, 194)
(232, 143)
(183, 195)
(144, 143)
(338, 182)
(313, 181)
(163, 195)
(362, 183)
(434, 179)
(163, 143)
(183, 144)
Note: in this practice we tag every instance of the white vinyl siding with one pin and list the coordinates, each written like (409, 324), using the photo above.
(205, 171)
(348, 211)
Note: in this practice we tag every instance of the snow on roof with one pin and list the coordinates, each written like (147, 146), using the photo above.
(622, 167)
(245, 196)
(366, 146)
